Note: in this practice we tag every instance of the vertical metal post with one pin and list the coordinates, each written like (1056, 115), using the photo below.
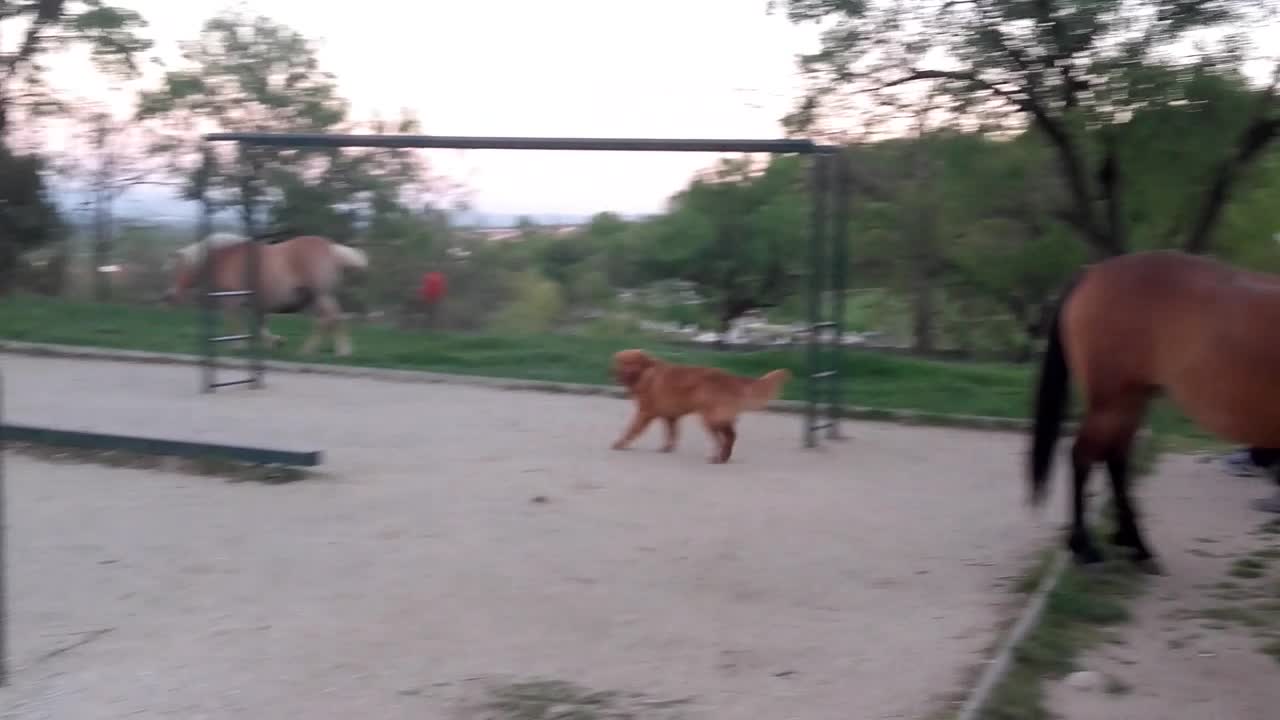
(4, 555)
(209, 311)
(839, 269)
(817, 235)
(253, 281)
(208, 306)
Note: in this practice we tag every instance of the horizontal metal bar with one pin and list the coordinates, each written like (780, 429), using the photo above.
(823, 374)
(156, 446)
(461, 142)
(819, 326)
(821, 426)
(230, 293)
(229, 383)
(229, 338)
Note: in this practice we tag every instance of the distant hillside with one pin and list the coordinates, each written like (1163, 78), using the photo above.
(159, 206)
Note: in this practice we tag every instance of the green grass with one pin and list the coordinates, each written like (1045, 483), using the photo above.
(1082, 610)
(1248, 568)
(1085, 603)
(873, 380)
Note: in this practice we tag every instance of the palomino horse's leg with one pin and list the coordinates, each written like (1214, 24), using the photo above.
(269, 338)
(328, 320)
(230, 313)
(233, 313)
(341, 333)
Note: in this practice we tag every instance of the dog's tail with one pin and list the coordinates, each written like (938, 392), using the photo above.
(350, 257)
(764, 389)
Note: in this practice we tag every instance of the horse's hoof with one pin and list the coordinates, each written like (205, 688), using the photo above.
(1087, 555)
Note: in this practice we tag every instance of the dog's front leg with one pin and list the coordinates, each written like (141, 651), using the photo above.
(673, 434)
(637, 426)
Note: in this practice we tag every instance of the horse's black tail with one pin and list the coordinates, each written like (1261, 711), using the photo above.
(1052, 396)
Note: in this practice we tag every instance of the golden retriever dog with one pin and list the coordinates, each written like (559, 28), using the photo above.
(669, 391)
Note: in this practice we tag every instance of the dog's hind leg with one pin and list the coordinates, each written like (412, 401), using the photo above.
(722, 436)
(637, 426)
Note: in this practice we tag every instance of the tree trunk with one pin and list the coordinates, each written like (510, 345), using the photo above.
(101, 246)
(923, 321)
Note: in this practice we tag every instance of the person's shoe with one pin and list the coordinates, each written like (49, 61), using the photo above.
(1271, 504)
(1239, 464)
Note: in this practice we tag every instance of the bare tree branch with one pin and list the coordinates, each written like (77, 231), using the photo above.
(1070, 157)
(1262, 129)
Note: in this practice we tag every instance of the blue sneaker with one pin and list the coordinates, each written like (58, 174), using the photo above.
(1239, 464)
(1271, 504)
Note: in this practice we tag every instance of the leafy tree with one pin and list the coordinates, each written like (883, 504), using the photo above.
(252, 74)
(736, 233)
(29, 218)
(1077, 71)
(536, 304)
(248, 74)
(44, 26)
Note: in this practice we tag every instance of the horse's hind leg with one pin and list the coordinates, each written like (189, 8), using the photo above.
(1107, 435)
(322, 323)
(270, 339)
(1127, 533)
(1082, 459)
(341, 333)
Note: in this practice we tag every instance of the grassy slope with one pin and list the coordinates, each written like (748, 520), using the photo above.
(873, 380)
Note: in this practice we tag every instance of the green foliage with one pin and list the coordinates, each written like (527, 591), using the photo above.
(28, 216)
(250, 73)
(46, 26)
(536, 304)
(1092, 79)
(735, 233)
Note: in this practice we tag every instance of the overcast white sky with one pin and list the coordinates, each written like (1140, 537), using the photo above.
(600, 68)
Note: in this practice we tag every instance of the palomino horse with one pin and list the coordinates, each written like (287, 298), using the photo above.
(1162, 321)
(297, 274)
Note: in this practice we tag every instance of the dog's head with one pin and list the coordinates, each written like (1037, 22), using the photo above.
(630, 365)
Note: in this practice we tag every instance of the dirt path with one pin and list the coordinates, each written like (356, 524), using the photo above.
(856, 581)
(1197, 646)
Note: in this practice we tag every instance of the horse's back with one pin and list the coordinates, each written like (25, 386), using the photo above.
(1192, 326)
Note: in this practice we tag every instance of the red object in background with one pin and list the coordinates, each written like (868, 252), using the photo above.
(433, 286)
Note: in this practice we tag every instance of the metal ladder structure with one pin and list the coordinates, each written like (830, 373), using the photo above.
(828, 247)
(210, 297)
(828, 263)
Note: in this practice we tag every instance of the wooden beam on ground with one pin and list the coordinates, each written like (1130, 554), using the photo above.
(158, 446)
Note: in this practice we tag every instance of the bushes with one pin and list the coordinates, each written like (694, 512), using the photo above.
(536, 303)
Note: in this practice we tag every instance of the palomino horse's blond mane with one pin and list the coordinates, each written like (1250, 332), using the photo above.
(195, 252)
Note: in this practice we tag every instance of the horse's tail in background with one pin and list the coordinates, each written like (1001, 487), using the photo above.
(1052, 396)
(350, 257)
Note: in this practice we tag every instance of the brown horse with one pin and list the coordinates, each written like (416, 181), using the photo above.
(297, 274)
(1135, 325)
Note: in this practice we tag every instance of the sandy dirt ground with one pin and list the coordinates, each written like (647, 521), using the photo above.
(461, 538)
(1194, 648)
